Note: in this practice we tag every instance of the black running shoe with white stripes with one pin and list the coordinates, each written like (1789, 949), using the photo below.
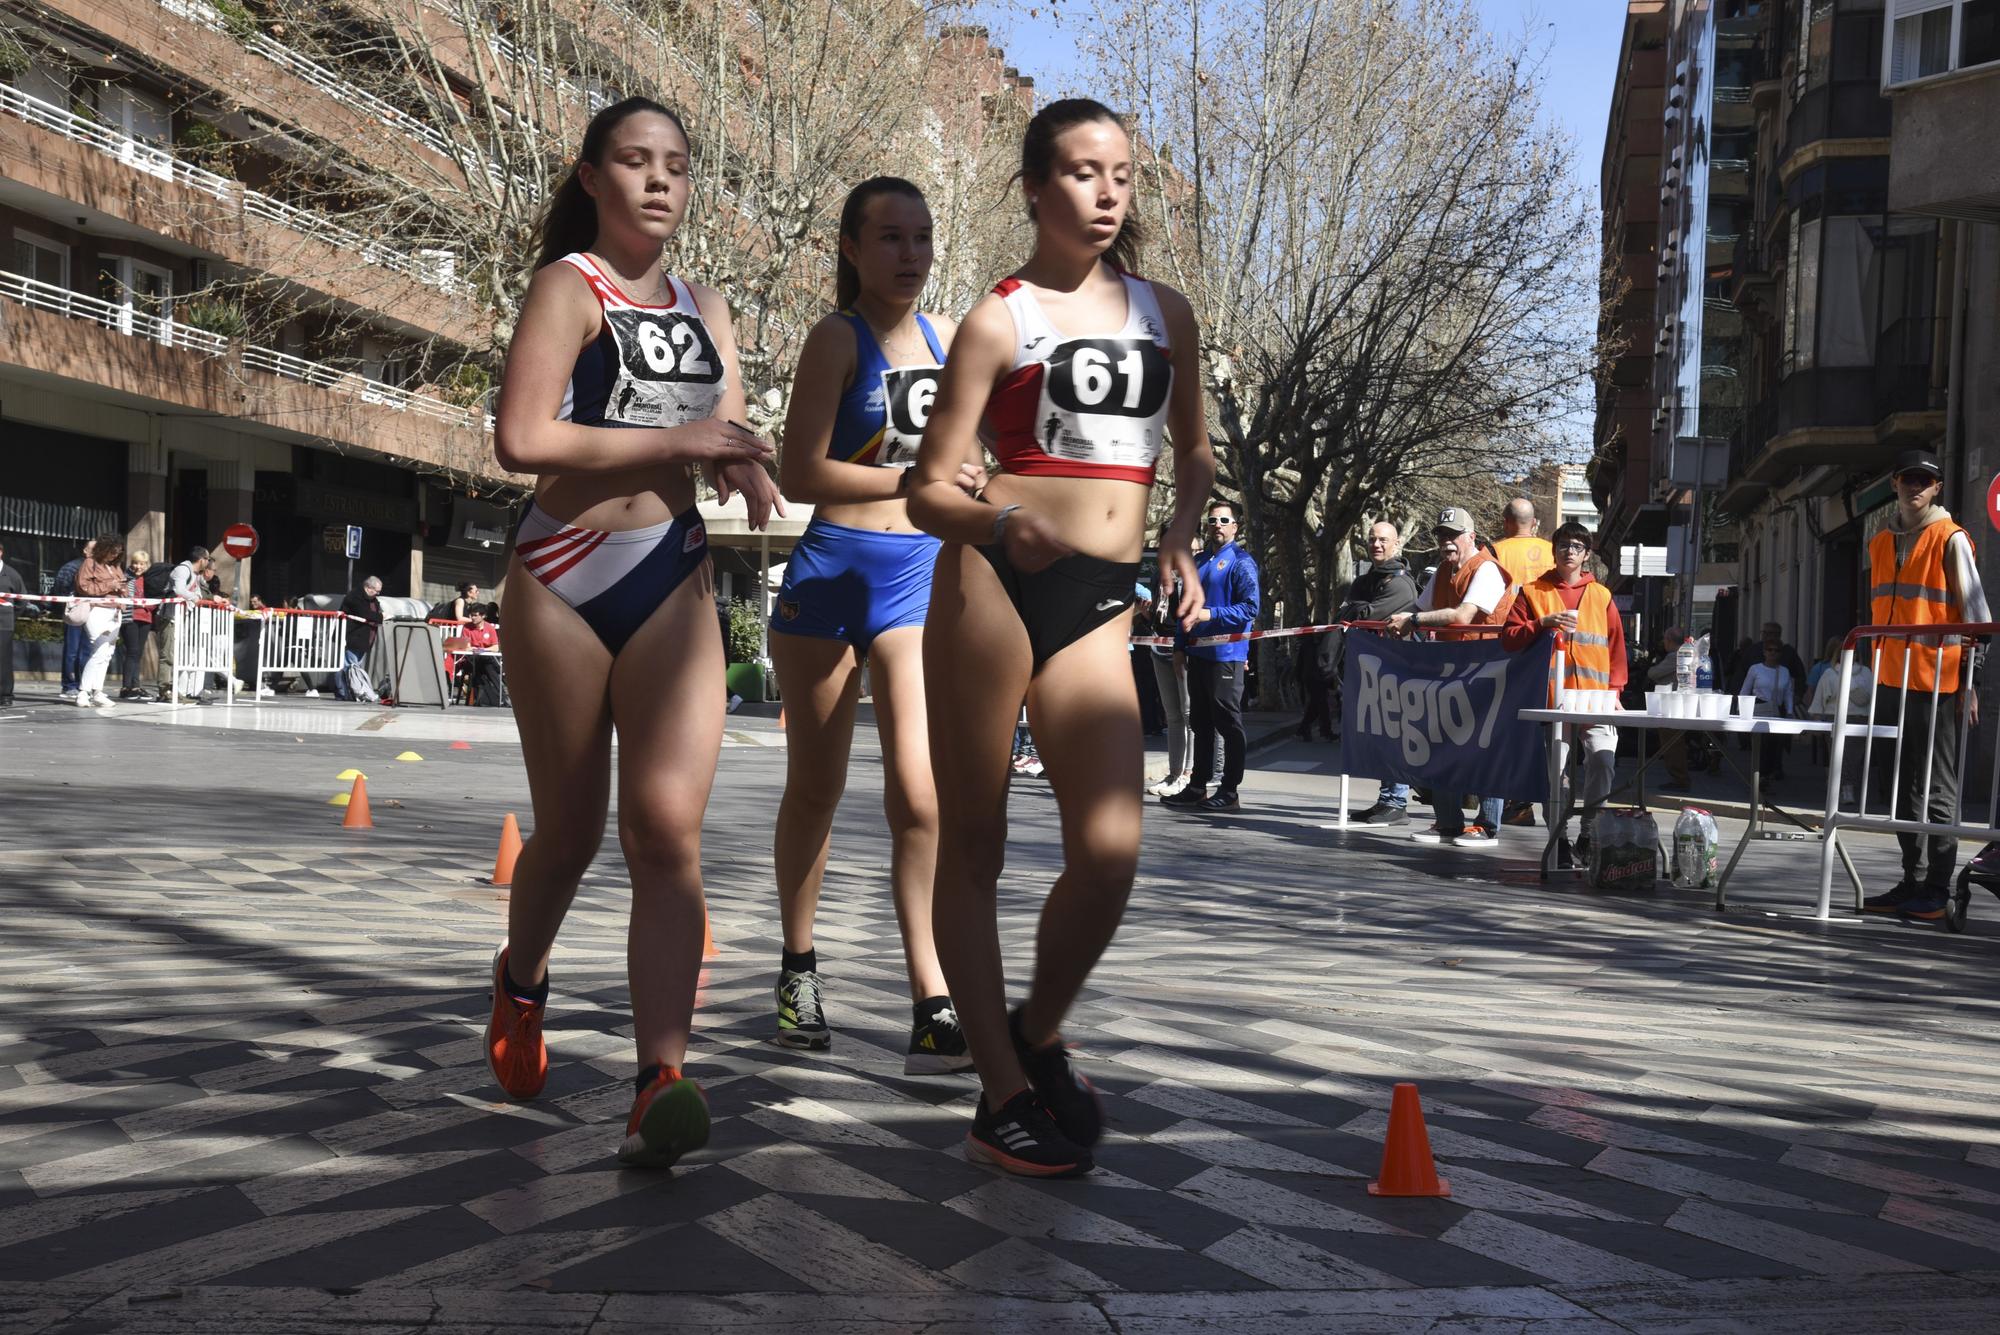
(1068, 1096)
(1022, 1138)
(937, 1046)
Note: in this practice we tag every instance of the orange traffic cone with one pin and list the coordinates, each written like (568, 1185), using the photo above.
(1407, 1167)
(357, 817)
(781, 718)
(510, 849)
(708, 950)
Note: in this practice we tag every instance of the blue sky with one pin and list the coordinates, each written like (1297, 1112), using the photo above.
(1581, 37)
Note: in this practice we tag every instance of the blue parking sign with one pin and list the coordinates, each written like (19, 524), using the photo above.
(354, 542)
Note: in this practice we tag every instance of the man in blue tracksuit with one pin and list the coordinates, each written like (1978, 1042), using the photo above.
(1215, 671)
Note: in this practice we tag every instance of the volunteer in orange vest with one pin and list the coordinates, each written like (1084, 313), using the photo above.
(1524, 554)
(1921, 572)
(1568, 600)
(1468, 588)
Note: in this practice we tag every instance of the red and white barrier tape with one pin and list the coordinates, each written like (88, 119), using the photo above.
(1287, 632)
(184, 602)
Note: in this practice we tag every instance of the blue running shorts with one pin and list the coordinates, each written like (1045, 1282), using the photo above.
(853, 584)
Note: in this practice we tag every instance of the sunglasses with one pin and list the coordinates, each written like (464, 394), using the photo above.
(1918, 478)
(1217, 521)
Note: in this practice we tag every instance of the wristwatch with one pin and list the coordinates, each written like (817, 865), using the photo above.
(1000, 523)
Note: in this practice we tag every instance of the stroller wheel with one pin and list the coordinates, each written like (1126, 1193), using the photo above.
(1956, 907)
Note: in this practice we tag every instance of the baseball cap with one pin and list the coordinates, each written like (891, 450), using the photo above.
(1910, 461)
(1453, 520)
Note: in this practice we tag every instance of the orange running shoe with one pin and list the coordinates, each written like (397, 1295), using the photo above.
(514, 1047)
(669, 1119)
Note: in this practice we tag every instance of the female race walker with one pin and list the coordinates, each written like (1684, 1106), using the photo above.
(857, 585)
(1076, 365)
(621, 378)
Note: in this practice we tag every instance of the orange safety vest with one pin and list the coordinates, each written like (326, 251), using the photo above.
(1587, 656)
(1457, 586)
(1524, 558)
(1915, 595)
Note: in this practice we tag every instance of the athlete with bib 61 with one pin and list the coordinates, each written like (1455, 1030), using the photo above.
(1079, 368)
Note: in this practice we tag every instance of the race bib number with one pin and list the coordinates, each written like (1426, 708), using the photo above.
(907, 395)
(665, 345)
(669, 371)
(1103, 400)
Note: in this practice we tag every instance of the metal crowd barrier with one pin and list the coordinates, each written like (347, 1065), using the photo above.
(204, 642)
(301, 641)
(1936, 639)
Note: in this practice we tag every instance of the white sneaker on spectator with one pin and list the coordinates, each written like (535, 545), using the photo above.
(102, 701)
(80, 701)
(734, 701)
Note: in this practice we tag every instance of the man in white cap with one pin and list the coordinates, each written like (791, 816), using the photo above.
(1468, 588)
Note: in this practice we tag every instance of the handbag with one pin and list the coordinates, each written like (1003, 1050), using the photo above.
(75, 614)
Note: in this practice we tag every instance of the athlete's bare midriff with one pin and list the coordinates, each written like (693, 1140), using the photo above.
(1096, 516)
(890, 516)
(616, 502)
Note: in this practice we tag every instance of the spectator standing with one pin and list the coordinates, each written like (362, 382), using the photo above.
(1751, 652)
(1170, 674)
(11, 583)
(188, 582)
(459, 607)
(1468, 588)
(102, 575)
(73, 633)
(1568, 600)
(1673, 742)
(1922, 572)
(1771, 682)
(1524, 554)
(363, 608)
(1229, 581)
(1386, 589)
(136, 626)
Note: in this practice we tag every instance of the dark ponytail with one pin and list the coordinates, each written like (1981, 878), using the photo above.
(571, 222)
(846, 281)
(1038, 160)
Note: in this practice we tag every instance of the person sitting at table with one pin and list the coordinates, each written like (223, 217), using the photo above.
(482, 670)
(1568, 600)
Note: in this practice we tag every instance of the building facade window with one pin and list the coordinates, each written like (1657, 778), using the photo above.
(41, 259)
(1928, 38)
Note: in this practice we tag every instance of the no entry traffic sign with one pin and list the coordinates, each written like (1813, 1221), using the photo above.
(240, 541)
(1993, 502)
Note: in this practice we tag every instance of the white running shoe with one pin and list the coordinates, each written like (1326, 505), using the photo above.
(102, 701)
(78, 699)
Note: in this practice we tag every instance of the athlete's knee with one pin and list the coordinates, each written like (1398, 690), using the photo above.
(974, 859)
(816, 800)
(564, 848)
(659, 842)
(911, 811)
(1106, 864)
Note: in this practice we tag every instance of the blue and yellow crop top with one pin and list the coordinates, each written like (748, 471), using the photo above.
(883, 413)
(648, 365)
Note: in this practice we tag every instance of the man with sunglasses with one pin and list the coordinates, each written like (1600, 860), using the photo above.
(1921, 572)
(1215, 672)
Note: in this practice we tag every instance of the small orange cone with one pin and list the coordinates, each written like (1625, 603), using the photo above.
(357, 807)
(781, 718)
(461, 746)
(510, 849)
(1407, 1167)
(708, 950)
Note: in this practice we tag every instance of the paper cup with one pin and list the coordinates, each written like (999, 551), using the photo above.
(1656, 705)
(1715, 706)
(1746, 706)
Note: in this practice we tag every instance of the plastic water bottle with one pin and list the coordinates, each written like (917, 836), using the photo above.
(1704, 673)
(1687, 662)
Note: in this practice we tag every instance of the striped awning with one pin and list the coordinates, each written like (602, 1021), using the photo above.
(45, 519)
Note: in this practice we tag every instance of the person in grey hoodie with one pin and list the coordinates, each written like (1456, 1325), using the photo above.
(1378, 593)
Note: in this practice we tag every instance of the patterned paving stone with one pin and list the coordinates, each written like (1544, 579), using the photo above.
(244, 1061)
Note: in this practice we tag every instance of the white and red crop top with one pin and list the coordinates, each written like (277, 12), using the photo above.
(648, 365)
(1083, 405)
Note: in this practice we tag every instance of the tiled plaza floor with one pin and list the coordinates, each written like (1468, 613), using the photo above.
(241, 1086)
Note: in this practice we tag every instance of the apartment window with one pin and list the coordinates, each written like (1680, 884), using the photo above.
(144, 294)
(1927, 38)
(136, 114)
(41, 259)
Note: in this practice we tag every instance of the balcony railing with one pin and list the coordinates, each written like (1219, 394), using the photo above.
(165, 329)
(433, 269)
(319, 76)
